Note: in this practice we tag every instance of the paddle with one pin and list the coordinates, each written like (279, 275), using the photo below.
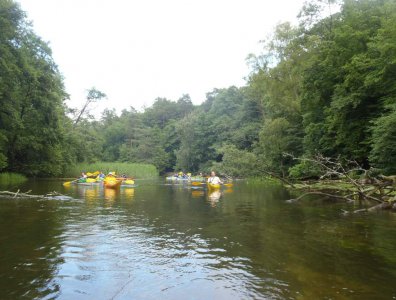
(67, 183)
(196, 183)
(202, 183)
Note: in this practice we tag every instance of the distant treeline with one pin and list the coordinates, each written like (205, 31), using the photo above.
(327, 85)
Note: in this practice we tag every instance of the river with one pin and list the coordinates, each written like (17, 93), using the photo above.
(167, 241)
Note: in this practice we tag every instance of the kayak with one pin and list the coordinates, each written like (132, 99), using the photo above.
(214, 186)
(128, 185)
(173, 178)
(128, 182)
(87, 183)
(198, 178)
(112, 184)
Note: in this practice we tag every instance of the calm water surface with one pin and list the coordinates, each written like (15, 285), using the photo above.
(159, 241)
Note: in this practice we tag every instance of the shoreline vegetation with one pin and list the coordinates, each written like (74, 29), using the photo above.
(348, 181)
(324, 86)
(10, 178)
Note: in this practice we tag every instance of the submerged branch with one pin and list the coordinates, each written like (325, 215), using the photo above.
(26, 195)
(345, 198)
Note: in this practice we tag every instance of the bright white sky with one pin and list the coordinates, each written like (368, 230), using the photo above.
(136, 51)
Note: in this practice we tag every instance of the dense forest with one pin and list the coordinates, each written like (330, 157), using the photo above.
(326, 85)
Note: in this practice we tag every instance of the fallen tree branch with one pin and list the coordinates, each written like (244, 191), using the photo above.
(345, 198)
(26, 195)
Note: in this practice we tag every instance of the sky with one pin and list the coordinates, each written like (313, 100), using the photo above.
(135, 51)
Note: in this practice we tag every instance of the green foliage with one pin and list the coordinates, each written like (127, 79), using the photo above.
(305, 170)
(277, 137)
(31, 97)
(383, 152)
(163, 111)
(3, 158)
(135, 170)
(325, 86)
(147, 149)
(236, 163)
(347, 78)
(195, 142)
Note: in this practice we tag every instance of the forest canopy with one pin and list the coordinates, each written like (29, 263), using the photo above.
(324, 86)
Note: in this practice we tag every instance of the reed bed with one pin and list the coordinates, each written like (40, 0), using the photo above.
(8, 178)
(135, 170)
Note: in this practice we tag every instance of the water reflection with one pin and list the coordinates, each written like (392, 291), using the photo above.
(110, 196)
(30, 248)
(214, 197)
(128, 192)
(197, 193)
(169, 243)
(91, 194)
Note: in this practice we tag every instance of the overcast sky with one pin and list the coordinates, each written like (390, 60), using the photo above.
(136, 51)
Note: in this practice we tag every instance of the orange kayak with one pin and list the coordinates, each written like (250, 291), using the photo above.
(112, 184)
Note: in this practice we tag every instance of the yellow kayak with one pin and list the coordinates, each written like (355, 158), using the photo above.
(112, 184)
(214, 186)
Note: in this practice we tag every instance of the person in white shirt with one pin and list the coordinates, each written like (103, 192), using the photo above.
(214, 179)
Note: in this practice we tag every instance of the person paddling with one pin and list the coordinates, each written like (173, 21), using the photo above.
(83, 178)
(213, 179)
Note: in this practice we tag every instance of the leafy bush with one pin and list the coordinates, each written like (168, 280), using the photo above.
(383, 151)
(304, 170)
(236, 163)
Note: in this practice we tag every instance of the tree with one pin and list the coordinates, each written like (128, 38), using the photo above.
(344, 86)
(31, 97)
(237, 163)
(195, 141)
(383, 151)
(93, 95)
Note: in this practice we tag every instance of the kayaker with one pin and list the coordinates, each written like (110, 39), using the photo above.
(213, 179)
(101, 176)
(83, 178)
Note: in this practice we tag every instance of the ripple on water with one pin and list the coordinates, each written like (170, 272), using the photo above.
(108, 260)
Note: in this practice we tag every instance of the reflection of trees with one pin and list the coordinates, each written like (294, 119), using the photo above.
(305, 248)
(30, 246)
(251, 238)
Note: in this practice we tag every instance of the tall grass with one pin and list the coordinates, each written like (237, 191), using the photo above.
(135, 170)
(8, 178)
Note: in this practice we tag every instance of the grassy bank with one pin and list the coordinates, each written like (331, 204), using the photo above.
(130, 169)
(8, 178)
